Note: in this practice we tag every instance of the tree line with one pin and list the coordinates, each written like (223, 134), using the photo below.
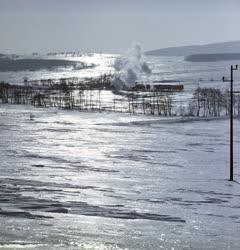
(212, 102)
(205, 102)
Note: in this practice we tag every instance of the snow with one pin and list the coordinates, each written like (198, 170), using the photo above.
(80, 180)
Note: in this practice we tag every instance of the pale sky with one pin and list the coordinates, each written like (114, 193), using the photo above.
(28, 26)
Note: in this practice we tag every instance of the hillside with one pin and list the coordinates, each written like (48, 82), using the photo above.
(212, 57)
(7, 64)
(213, 48)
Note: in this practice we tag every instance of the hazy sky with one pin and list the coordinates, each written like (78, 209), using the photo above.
(113, 25)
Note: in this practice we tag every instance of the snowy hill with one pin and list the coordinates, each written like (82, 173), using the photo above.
(226, 47)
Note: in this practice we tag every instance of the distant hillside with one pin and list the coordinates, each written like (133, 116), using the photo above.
(213, 57)
(7, 64)
(213, 48)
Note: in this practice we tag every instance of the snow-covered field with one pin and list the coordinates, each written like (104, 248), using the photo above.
(71, 180)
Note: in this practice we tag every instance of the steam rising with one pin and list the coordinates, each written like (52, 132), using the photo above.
(128, 68)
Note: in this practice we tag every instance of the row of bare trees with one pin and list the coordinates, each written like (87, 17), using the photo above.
(154, 103)
(205, 102)
(212, 102)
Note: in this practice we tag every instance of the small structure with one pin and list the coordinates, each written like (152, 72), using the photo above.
(158, 87)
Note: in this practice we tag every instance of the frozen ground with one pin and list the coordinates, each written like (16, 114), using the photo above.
(71, 180)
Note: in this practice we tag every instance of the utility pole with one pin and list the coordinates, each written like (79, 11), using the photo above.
(231, 118)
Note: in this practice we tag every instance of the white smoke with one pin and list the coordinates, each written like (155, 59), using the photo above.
(128, 68)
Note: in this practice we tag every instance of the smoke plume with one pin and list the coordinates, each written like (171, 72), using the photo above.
(129, 67)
